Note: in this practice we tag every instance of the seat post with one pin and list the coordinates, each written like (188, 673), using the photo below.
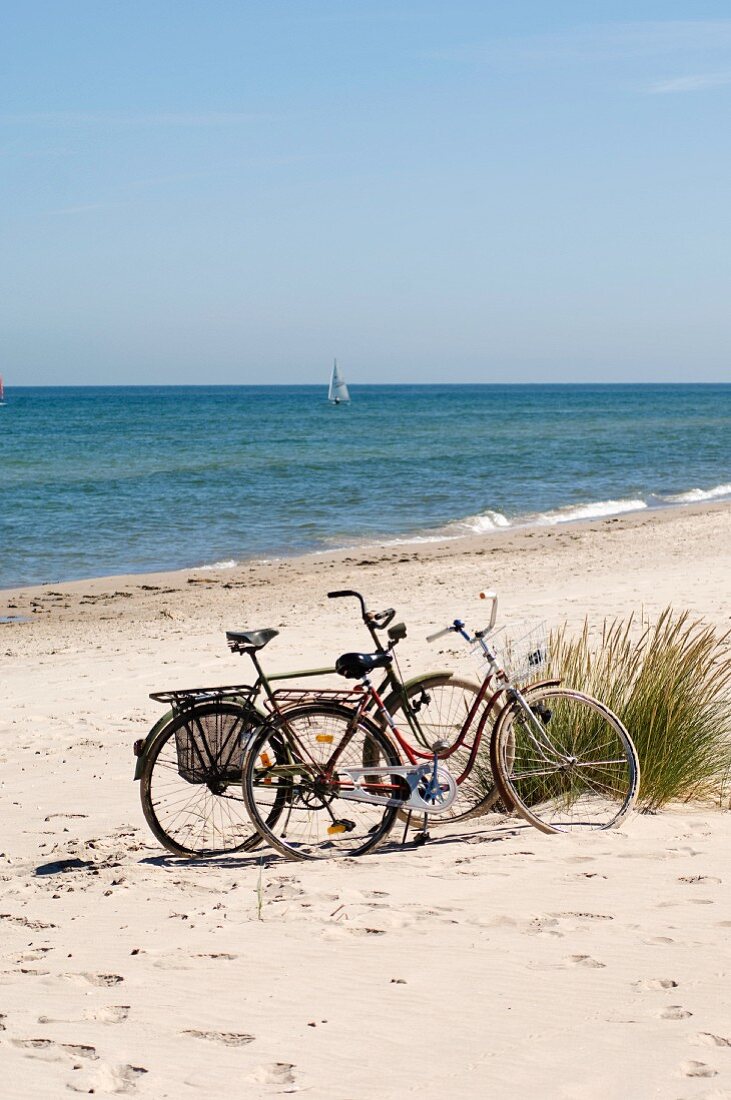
(261, 678)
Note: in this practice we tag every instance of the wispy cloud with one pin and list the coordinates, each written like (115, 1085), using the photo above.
(112, 118)
(86, 208)
(690, 83)
(603, 42)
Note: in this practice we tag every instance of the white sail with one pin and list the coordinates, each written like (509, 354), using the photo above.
(338, 392)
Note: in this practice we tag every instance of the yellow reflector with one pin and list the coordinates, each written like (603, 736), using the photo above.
(336, 829)
(324, 738)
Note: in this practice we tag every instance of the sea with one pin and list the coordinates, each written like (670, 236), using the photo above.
(107, 480)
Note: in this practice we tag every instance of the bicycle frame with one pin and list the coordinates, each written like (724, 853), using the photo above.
(413, 754)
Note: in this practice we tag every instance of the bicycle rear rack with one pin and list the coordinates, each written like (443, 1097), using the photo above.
(181, 698)
(288, 697)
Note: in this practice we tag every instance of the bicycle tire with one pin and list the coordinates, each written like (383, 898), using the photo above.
(206, 818)
(445, 704)
(575, 770)
(294, 810)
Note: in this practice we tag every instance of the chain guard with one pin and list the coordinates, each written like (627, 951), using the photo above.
(424, 796)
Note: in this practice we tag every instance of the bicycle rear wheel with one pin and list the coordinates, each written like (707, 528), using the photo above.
(436, 709)
(300, 806)
(566, 762)
(190, 785)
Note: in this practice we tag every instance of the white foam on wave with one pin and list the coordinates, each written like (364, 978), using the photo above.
(230, 564)
(694, 495)
(416, 538)
(485, 521)
(594, 510)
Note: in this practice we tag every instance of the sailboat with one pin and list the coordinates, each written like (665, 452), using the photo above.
(2, 391)
(338, 391)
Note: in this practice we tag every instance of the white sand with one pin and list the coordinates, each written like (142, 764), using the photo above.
(485, 964)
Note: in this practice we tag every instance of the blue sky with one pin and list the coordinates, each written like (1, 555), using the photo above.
(474, 191)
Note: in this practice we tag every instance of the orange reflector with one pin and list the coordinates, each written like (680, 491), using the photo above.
(266, 760)
(336, 829)
(324, 738)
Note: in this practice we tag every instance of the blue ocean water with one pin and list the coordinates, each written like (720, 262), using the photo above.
(104, 480)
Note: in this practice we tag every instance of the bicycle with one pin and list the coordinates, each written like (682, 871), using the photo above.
(189, 766)
(295, 786)
(559, 758)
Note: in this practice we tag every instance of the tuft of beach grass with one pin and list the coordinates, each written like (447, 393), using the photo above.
(669, 681)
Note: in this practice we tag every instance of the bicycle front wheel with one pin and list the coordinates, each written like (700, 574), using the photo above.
(299, 801)
(436, 709)
(565, 761)
(190, 785)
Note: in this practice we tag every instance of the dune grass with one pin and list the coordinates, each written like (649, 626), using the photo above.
(670, 683)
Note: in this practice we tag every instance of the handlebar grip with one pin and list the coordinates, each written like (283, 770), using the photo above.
(381, 619)
(343, 592)
(439, 634)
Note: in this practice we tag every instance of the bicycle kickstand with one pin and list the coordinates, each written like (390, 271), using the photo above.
(406, 828)
(423, 835)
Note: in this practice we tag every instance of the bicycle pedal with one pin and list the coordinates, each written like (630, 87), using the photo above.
(420, 839)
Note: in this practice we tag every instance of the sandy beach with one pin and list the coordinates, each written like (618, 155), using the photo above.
(491, 960)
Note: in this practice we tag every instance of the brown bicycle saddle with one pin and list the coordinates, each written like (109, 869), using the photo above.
(242, 640)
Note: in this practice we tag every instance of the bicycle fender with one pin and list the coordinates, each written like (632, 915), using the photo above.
(526, 693)
(144, 747)
(394, 696)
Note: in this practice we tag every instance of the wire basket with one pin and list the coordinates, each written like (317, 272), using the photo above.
(209, 746)
(521, 649)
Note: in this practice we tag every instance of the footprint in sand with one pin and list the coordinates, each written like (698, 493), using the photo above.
(708, 1039)
(587, 961)
(675, 1012)
(228, 1038)
(34, 925)
(543, 926)
(75, 1050)
(80, 1050)
(275, 1073)
(111, 1014)
(34, 1044)
(645, 985)
(697, 1069)
(96, 979)
(107, 1079)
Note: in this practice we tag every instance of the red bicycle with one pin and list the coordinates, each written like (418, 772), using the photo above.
(558, 757)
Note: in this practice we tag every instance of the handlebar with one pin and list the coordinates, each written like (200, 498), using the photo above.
(349, 592)
(439, 634)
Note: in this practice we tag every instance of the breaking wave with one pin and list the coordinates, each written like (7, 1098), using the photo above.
(695, 495)
(595, 510)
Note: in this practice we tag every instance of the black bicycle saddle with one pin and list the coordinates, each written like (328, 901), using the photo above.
(354, 666)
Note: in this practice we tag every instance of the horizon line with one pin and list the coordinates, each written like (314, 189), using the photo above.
(322, 385)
